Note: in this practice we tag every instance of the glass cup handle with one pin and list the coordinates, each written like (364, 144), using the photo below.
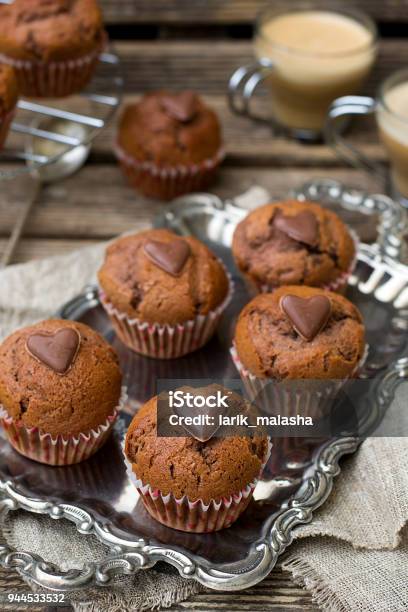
(242, 85)
(339, 110)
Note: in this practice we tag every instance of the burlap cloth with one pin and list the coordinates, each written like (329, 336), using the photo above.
(353, 556)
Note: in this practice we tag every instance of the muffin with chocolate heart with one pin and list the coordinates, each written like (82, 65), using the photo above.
(169, 143)
(60, 391)
(190, 482)
(164, 293)
(294, 243)
(53, 45)
(295, 334)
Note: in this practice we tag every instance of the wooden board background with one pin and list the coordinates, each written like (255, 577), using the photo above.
(227, 11)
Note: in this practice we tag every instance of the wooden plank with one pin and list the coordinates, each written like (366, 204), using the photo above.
(98, 203)
(276, 593)
(225, 11)
(251, 143)
(148, 66)
(247, 142)
(206, 67)
(29, 249)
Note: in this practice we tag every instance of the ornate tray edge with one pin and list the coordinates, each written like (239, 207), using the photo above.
(127, 557)
(392, 217)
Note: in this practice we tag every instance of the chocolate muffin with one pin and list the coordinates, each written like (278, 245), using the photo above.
(169, 144)
(294, 243)
(300, 332)
(8, 100)
(59, 380)
(164, 294)
(53, 45)
(188, 484)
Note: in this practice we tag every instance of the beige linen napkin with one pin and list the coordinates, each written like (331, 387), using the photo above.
(357, 558)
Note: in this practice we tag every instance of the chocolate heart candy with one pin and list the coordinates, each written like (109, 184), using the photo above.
(169, 256)
(207, 421)
(308, 316)
(302, 227)
(57, 351)
(182, 106)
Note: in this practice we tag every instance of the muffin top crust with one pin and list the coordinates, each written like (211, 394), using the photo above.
(308, 338)
(291, 242)
(50, 30)
(159, 277)
(170, 129)
(60, 376)
(8, 89)
(208, 470)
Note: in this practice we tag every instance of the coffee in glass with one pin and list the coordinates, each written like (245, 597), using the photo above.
(309, 55)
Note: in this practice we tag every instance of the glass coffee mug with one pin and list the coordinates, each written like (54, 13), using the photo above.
(390, 108)
(308, 55)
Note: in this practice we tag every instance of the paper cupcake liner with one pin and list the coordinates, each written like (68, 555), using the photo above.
(166, 341)
(292, 398)
(167, 183)
(55, 79)
(5, 122)
(195, 516)
(59, 450)
(339, 285)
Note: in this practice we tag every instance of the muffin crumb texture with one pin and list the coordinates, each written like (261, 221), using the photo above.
(299, 243)
(50, 30)
(184, 466)
(143, 286)
(76, 401)
(170, 129)
(269, 346)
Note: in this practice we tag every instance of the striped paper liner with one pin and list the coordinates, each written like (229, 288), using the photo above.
(59, 450)
(168, 182)
(292, 398)
(55, 79)
(195, 516)
(166, 341)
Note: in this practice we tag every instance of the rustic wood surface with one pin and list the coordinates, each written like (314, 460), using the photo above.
(206, 67)
(97, 203)
(226, 11)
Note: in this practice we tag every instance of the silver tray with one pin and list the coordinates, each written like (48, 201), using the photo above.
(96, 495)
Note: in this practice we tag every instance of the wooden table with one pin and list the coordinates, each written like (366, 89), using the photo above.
(195, 44)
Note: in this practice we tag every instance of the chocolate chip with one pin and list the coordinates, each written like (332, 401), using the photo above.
(23, 406)
(137, 295)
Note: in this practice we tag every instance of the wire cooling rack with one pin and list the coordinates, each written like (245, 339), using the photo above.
(89, 111)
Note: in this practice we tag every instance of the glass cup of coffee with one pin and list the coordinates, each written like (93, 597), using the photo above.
(390, 108)
(307, 55)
